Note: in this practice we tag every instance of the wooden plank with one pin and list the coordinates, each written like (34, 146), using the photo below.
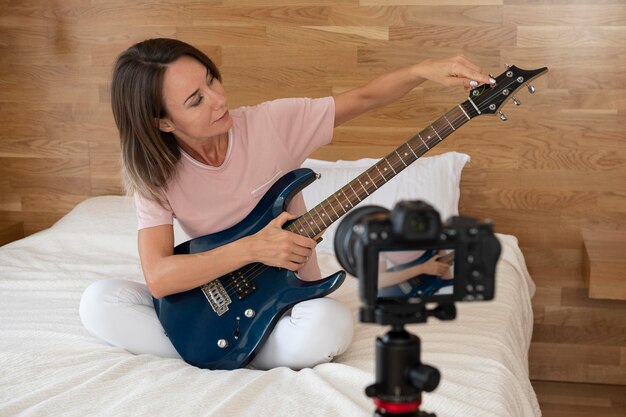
(571, 36)
(605, 263)
(565, 14)
(558, 399)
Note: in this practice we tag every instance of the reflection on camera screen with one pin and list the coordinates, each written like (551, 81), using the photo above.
(417, 273)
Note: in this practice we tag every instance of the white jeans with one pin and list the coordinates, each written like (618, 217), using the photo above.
(121, 313)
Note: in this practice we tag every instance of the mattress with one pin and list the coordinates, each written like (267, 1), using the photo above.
(50, 365)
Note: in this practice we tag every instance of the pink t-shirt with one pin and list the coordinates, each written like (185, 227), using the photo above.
(266, 142)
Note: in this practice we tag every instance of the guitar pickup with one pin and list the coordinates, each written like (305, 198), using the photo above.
(242, 284)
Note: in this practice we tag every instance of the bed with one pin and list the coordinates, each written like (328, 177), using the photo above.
(50, 365)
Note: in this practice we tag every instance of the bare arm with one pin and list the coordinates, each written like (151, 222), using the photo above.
(392, 86)
(166, 273)
(430, 267)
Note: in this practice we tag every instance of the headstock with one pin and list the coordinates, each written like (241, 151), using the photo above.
(489, 98)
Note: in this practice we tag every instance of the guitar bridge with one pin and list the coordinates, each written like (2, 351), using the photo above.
(217, 296)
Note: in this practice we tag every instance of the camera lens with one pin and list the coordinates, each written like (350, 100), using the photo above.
(348, 232)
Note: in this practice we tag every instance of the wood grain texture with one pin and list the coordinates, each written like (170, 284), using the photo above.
(605, 263)
(560, 399)
(10, 231)
(557, 166)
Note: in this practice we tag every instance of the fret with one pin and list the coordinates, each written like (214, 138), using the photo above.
(416, 157)
(309, 226)
(362, 186)
(394, 171)
(316, 224)
(401, 158)
(465, 113)
(355, 194)
(340, 205)
(302, 232)
(419, 136)
(303, 226)
(328, 216)
(310, 223)
(373, 182)
(444, 116)
(381, 174)
(442, 126)
(432, 144)
(474, 105)
(347, 199)
(321, 217)
(434, 130)
(407, 155)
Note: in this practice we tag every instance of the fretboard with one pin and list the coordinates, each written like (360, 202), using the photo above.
(316, 220)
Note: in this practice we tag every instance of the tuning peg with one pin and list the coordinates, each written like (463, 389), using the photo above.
(507, 66)
(531, 88)
(503, 116)
(516, 101)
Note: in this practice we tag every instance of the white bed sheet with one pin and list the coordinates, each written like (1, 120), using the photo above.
(50, 365)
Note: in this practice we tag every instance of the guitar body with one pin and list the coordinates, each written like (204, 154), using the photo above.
(224, 326)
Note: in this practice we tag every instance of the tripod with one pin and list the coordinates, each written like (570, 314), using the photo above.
(400, 375)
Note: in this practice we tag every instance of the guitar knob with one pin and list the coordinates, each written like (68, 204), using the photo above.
(503, 116)
(531, 89)
(516, 101)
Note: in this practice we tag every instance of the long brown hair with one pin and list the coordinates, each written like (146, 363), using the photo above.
(149, 155)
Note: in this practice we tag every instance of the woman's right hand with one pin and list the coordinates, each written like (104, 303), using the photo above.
(275, 246)
(433, 267)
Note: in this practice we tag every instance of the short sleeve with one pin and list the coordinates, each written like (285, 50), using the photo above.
(303, 124)
(150, 213)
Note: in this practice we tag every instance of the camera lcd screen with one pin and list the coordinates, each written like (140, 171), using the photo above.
(426, 273)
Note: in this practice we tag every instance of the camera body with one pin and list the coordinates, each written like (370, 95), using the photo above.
(368, 231)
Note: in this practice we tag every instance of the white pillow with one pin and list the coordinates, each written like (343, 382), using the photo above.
(434, 179)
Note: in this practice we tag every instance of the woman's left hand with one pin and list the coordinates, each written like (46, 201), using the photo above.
(449, 72)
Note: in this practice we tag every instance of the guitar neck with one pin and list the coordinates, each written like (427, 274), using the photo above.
(316, 220)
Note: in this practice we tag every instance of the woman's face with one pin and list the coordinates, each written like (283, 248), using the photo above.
(195, 102)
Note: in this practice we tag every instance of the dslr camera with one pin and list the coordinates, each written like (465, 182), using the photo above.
(370, 234)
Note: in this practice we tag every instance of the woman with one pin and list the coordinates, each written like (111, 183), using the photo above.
(186, 155)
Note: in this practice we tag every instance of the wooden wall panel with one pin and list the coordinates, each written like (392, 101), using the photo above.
(557, 165)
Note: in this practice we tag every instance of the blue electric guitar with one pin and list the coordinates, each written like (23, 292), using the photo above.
(223, 324)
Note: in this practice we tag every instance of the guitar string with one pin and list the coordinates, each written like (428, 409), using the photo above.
(483, 105)
(254, 270)
(258, 268)
(373, 176)
(328, 203)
